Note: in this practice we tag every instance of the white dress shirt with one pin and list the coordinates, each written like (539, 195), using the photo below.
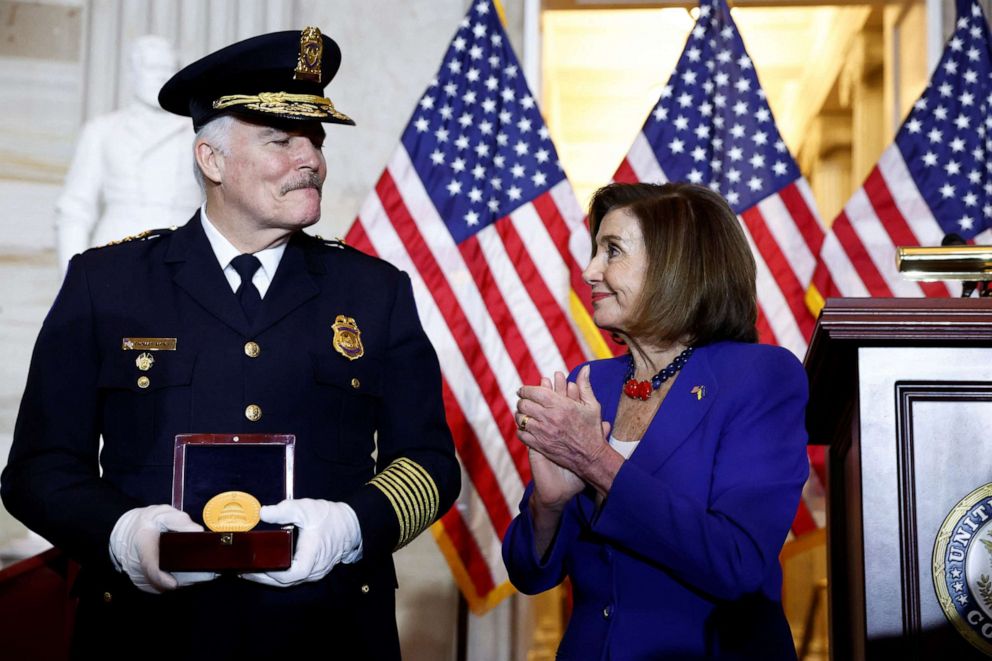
(225, 251)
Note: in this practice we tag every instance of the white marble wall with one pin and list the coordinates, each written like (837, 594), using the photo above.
(61, 63)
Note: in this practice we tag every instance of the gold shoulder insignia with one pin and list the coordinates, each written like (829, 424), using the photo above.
(336, 242)
(141, 236)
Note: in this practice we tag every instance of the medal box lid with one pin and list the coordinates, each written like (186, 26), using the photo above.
(209, 464)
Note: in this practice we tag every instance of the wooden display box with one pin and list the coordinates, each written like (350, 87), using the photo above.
(210, 464)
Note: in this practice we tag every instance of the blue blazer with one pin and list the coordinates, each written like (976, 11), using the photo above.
(82, 385)
(681, 560)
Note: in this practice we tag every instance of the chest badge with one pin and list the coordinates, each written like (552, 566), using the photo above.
(144, 361)
(347, 338)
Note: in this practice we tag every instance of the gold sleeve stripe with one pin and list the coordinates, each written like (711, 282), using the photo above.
(413, 494)
(424, 478)
(422, 482)
(406, 507)
(418, 480)
(398, 498)
(413, 509)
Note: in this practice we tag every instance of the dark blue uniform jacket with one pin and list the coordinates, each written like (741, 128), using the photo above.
(82, 385)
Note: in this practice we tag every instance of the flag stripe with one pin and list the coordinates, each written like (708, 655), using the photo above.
(549, 213)
(895, 224)
(644, 162)
(765, 333)
(804, 522)
(357, 238)
(454, 367)
(454, 315)
(800, 206)
(474, 461)
(858, 255)
(835, 259)
(549, 309)
(781, 325)
(798, 256)
(778, 265)
(906, 196)
(475, 260)
(625, 173)
(595, 342)
(468, 551)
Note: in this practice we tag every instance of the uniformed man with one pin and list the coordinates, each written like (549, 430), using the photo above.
(244, 323)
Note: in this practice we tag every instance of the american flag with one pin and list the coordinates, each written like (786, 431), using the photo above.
(712, 126)
(475, 207)
(934, 180)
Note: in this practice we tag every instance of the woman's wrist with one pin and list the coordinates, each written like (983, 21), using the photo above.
(601, 470)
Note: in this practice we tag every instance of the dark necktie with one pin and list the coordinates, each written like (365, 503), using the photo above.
(247, 293)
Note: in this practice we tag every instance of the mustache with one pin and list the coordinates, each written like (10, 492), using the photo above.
(309, 180)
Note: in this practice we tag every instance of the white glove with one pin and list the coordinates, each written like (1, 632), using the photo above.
(329, 534)
(134, 547)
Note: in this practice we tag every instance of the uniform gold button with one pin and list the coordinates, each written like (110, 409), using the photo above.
(253, 412)
(107, 597)
(252, 349)
(365, 589)
(355, 383)
(144, 382)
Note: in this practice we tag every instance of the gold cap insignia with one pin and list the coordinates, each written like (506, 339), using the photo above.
(347, 338)
(311, 55)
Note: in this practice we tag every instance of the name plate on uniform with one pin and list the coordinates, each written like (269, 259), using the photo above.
(221, 480)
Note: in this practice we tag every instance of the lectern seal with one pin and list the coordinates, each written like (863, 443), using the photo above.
(962, 567)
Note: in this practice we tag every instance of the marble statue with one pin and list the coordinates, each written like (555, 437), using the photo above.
(133, 168)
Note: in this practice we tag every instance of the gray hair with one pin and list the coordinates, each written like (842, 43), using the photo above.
(215, 133)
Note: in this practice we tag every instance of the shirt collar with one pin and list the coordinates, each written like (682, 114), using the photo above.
(225, 251)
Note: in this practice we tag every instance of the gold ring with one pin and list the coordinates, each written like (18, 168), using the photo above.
(522, 425)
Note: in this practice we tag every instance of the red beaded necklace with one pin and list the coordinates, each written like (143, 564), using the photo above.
(642, 389)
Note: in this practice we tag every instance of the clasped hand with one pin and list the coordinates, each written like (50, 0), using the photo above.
(561, 425)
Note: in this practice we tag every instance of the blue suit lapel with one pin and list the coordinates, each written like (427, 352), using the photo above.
(677, 417)
(679, 414)
(199, 274)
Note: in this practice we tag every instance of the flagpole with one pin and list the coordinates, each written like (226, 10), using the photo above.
(461, 629)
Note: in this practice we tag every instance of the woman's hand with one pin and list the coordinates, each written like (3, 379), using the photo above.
(563, 425)
(554, 486)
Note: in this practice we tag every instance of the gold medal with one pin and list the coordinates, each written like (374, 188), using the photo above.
(347, 338)
(231, 511)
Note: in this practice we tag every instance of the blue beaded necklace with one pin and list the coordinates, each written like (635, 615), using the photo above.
(642, 389)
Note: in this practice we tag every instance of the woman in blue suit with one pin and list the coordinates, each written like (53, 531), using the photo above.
(665, 480)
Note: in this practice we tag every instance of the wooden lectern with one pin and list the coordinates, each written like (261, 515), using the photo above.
(901, 391)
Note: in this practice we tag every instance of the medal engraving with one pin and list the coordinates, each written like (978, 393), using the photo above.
(231, 511)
